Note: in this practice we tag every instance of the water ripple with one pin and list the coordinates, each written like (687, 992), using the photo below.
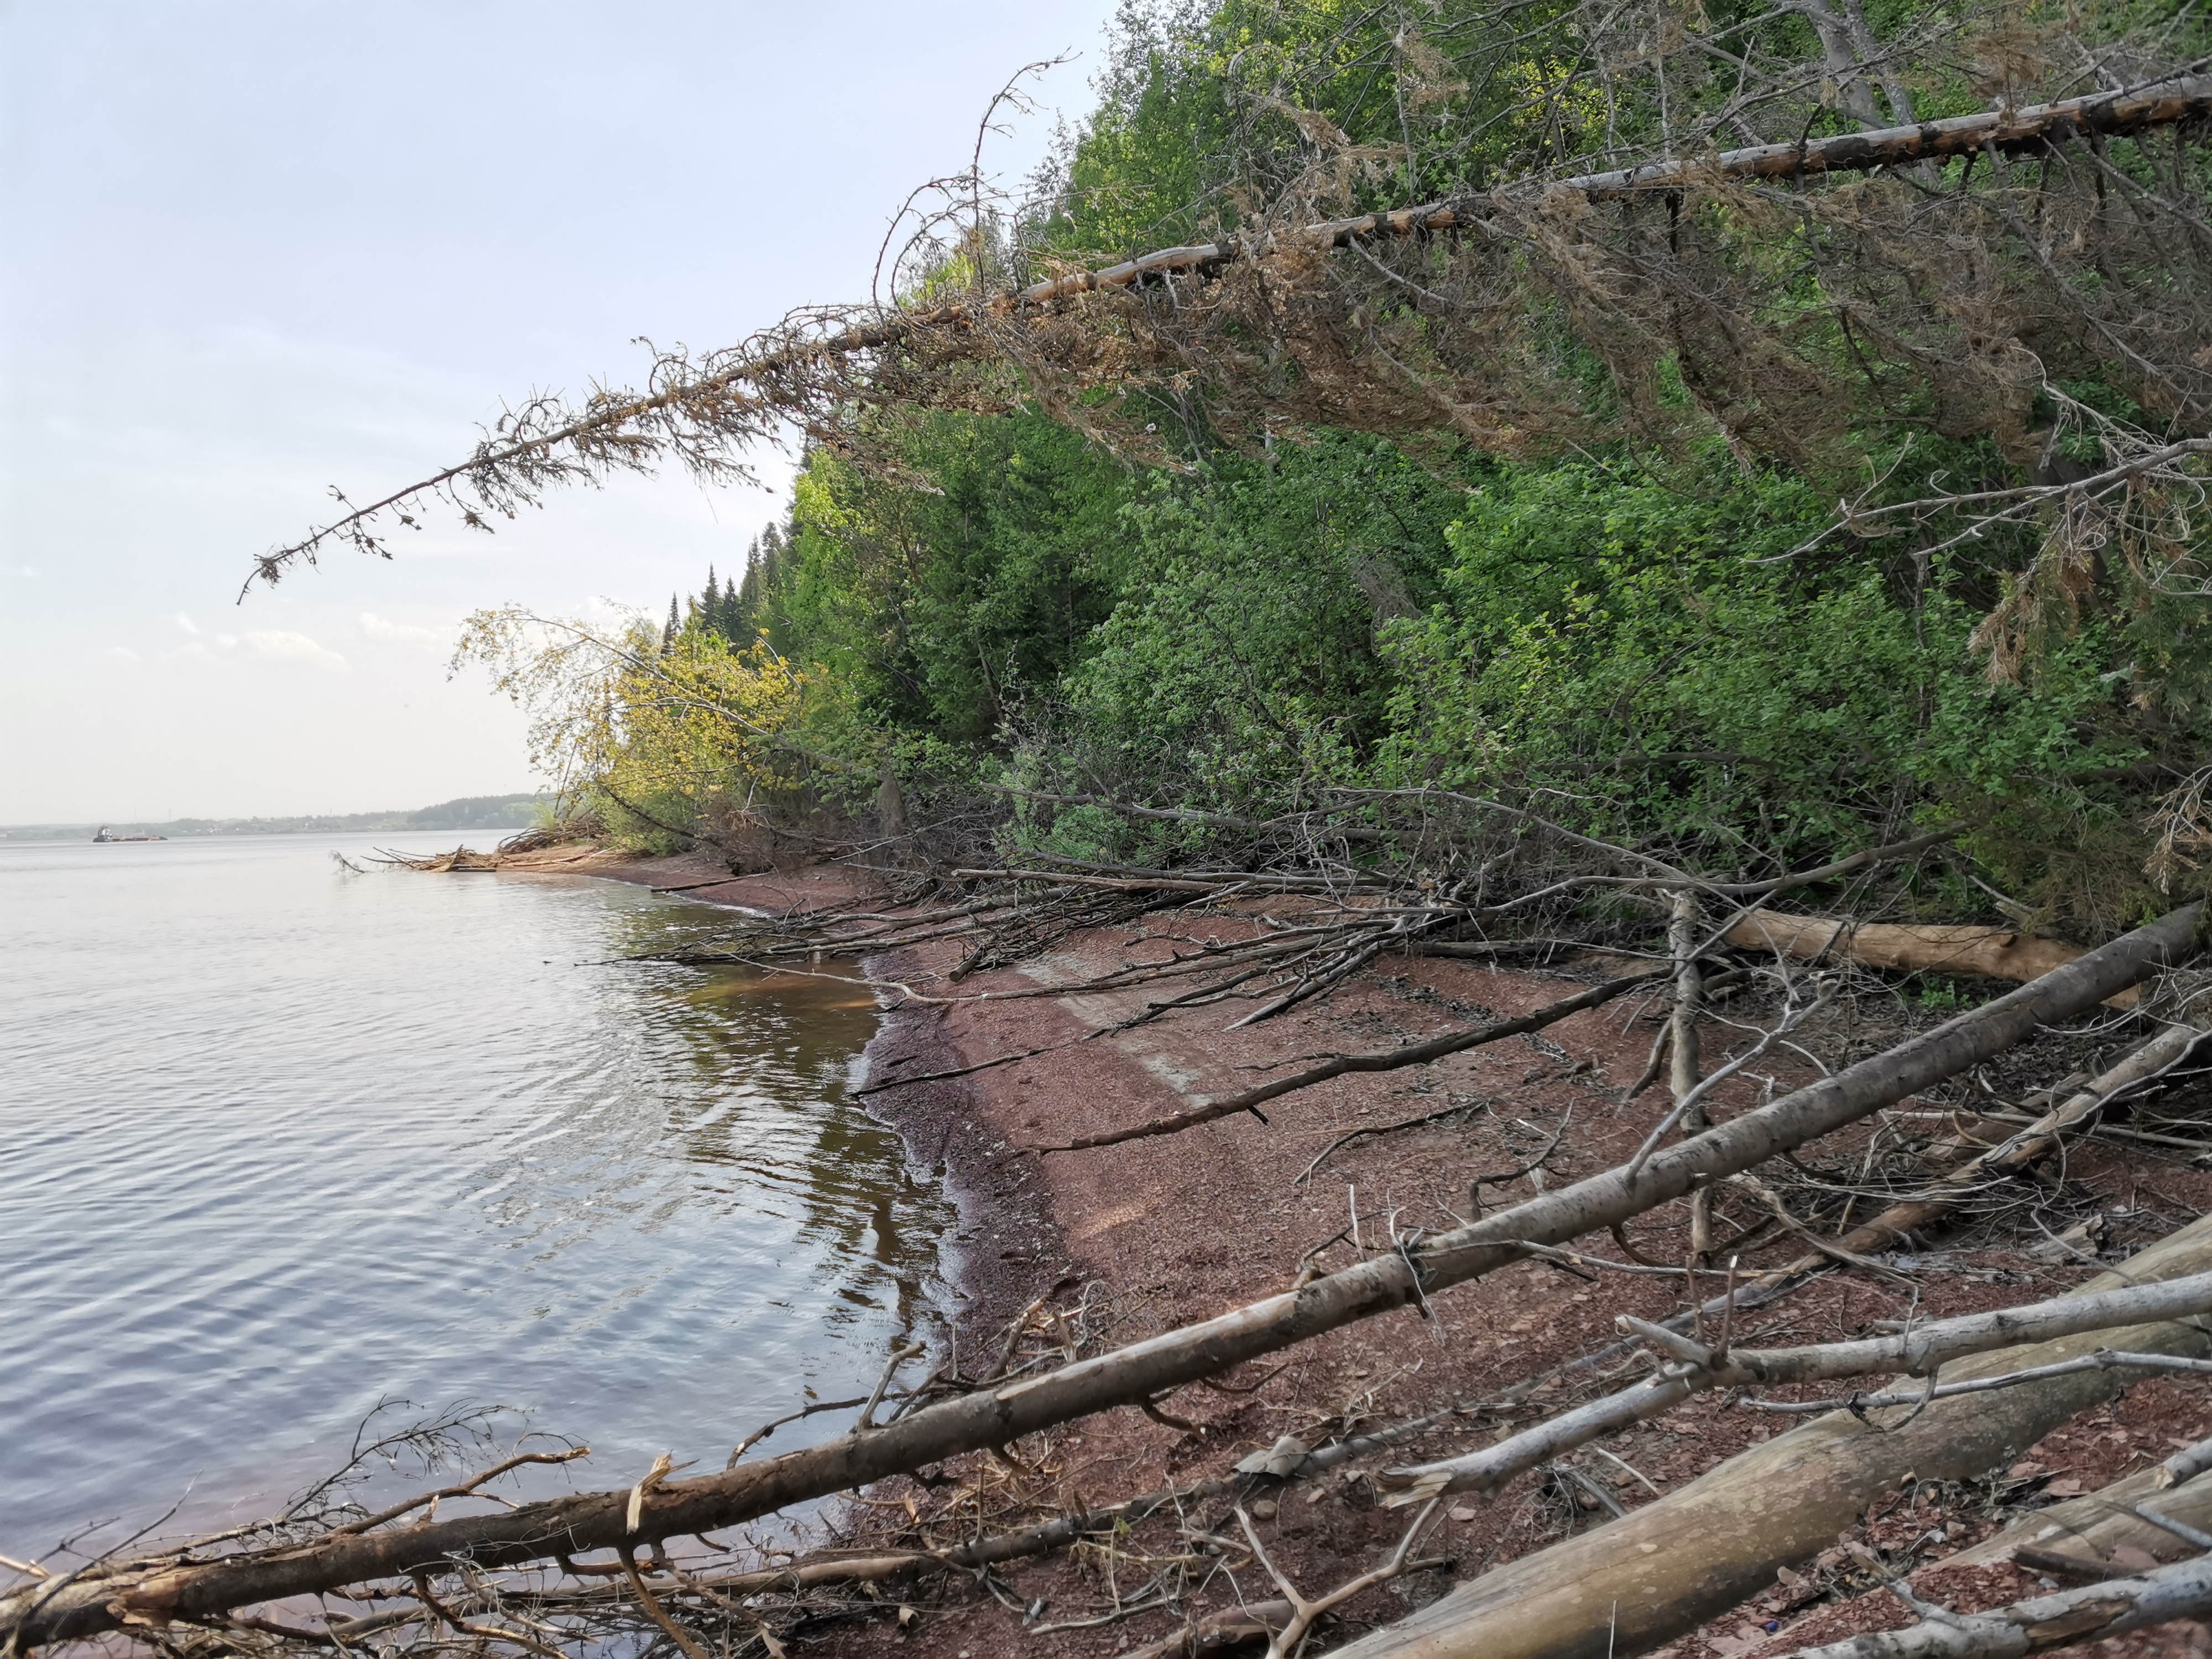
(285, 1142)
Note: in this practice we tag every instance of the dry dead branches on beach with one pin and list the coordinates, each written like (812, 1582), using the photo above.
(941, 1419)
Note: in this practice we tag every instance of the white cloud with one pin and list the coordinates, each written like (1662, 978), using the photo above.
(118, 654)
(610, 615)
(187, 623)
(285, 646)
(382, 628)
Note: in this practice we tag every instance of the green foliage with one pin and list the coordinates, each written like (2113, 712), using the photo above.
(658, 740)
(1244, 659)
(1636, 639)
(1650, 635)
(942, 589)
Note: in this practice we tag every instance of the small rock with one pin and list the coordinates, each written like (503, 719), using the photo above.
(1461, 1514)
(1264, 1510)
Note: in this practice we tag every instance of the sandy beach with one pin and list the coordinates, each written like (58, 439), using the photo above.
(1123, 1242)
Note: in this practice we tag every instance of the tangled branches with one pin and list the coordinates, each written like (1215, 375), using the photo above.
(1910, 273)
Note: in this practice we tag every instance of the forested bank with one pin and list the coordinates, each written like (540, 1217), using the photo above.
(1747, 521)
(1698, 509)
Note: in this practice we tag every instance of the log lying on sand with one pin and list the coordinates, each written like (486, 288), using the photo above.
(104, 1599)
(1700, 1369)
(2086, 1614)
(1668, 1567)
(2089, 1529)
(1910, 947)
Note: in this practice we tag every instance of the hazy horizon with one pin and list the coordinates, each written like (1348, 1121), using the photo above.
(388, 809)
(258, 248)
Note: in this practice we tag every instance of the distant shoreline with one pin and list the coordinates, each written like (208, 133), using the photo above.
(505, 813)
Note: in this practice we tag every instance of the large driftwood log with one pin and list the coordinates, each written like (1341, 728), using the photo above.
(1910, 947)
(1668, 1567)
(2085, 1615)
(1130, 1376)
(1918, 1352)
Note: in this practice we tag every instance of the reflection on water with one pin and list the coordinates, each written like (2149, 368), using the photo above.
(284, 1142)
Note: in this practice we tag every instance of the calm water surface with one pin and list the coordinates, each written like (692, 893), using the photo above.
(281, 1142)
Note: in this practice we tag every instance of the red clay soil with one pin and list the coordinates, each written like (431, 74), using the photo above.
(1158, 1233)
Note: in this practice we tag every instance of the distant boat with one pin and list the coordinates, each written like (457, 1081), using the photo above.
(104, 837)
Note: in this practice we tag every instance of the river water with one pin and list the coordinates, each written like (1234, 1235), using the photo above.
(284, 1142)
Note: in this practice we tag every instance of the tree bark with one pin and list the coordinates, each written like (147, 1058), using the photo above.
(1668, 1567)
(1991, 952)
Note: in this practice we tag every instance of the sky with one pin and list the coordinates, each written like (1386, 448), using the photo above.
(253, 249)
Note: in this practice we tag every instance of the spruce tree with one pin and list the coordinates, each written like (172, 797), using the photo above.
(760, 576)
(710, 604)
(669, 632)
(749, 595)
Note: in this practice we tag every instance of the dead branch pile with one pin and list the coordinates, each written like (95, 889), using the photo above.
(519, 1577)
(1466, 878)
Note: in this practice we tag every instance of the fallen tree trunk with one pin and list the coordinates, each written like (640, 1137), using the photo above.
(2032, 129)
(2027, 1146)
(1916, 1353)
(1666, 1568)
(2181, 1591)
(2174, 98)
(1910, 947)
(2022, 1149)
(2088, 1530)
(106, 1598)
